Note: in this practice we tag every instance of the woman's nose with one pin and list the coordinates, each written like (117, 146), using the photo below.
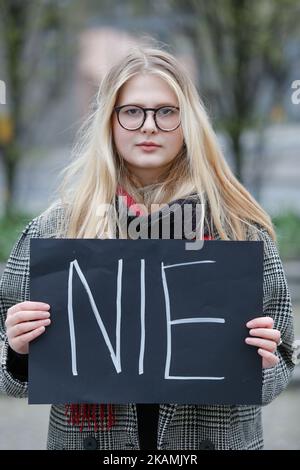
(149, 124)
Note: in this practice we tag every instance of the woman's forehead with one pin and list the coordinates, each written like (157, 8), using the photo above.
(147, 90)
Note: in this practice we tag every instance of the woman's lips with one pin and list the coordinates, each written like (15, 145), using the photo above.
(149, 148)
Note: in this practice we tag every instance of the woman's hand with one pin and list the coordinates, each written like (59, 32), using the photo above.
(266, 338)
(24, 322)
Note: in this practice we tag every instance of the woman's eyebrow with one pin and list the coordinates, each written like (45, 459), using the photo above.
(159, 105)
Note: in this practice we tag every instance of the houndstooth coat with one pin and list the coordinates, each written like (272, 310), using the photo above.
(180, 427)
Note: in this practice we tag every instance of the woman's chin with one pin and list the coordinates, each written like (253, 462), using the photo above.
(148, 161)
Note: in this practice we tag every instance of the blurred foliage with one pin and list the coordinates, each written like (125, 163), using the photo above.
(242, 48)
(33, 37)
(287, 226)
(10, 229)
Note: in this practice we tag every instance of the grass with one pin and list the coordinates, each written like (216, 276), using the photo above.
(287, 226)
(10, 230)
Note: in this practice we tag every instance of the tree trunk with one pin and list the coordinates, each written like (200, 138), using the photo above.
(10, 159)
(238, 155)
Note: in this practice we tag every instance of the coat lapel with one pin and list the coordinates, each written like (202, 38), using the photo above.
(166, 413)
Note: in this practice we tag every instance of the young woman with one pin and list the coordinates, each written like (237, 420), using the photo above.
(151, 140)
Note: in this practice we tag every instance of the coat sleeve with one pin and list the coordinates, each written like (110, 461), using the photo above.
(277, 304)
(14, 288)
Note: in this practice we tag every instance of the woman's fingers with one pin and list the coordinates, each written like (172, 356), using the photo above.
(24, 316)
(262, 343)
(266, 333)
(261, 322)
(20, 343)
(22, 328)
(27, 305)
(268, 359)
(24, 322)
(266, 338)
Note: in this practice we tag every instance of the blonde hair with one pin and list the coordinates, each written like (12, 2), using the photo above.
(92, 179)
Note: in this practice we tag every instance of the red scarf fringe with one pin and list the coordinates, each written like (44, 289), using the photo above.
(99, 416)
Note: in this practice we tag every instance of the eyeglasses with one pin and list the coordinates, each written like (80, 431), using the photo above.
(131, 117)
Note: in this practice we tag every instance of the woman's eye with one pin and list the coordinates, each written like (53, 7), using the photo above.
(133, 112)
(166, 111)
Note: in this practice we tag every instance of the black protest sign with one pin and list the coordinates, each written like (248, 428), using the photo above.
(146, 321)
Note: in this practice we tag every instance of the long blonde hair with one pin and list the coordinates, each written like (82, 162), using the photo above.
(92, 179)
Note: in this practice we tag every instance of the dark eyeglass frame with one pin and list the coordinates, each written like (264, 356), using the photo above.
(117, 109)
